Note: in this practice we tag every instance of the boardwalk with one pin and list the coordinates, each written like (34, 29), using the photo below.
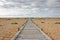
(30, 32)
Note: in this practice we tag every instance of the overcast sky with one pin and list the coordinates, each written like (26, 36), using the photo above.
(30, 8)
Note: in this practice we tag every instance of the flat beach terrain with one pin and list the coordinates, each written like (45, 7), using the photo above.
(51, 26)
(9, 27)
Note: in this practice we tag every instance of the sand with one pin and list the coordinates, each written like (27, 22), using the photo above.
(9, 27)
(51, 26)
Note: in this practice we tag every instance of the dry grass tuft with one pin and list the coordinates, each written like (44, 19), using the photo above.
(57, 23)
(1, 24)
(14, 23)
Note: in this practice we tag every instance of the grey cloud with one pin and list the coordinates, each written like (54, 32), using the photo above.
(26, 2)
(38, 3)
(53, 3)
(33, 7)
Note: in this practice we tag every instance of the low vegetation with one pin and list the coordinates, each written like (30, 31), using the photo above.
(1, 24)
(42, 22)
(14, 23)
(41, 29)
(9, 19)
(57, 23)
